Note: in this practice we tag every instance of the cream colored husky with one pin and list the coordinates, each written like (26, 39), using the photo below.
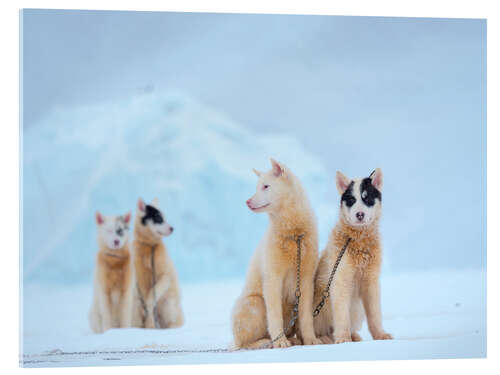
(356, 289)
(111, 307)
(265, 306)
(157, 298)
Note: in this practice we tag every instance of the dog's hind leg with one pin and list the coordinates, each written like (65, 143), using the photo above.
(104, 310)
(249, 322)
(170, 312)
(94, 320)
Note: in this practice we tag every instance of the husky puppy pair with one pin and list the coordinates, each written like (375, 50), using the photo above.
(111, 307)
(156, 301)
(356, 288)
(264, 309)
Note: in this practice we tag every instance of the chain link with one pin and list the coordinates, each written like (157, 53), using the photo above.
(153, 272)
(153, 283)
(326, 292)
(295, 312)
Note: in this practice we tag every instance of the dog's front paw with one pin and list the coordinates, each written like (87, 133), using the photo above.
(282, 343)
(150, 323)
(355, 337)
(382, 336)
(326, 340)
(341, 339)
(295, 341)
(313, 341)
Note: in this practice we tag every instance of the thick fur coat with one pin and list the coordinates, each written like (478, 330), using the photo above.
(264, 308)
(162, 295)
(112, 301)
(355, 292)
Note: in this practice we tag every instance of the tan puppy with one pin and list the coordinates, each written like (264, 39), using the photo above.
(356, 289)
(265, 306)
(156, 295)
(111, 307)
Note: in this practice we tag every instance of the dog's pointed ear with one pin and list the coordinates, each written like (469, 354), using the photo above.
(155, 202)
(257, 173)
(126, 217)
(141, 206)
(278, 169)
(99, 219)
(376, 177)
(342, 182)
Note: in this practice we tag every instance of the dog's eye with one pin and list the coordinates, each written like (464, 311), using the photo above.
(350, 201)
(266, 186)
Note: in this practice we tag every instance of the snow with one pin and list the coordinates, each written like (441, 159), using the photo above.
(432, 314)
(198, 162)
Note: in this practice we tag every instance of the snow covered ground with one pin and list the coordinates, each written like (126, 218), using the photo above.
(432, 314)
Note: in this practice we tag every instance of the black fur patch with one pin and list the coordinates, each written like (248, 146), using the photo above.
(121, 226)
(152, 214)
(369, 193)
(347, 197)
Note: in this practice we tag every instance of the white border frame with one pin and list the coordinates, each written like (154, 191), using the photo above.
(9, 148)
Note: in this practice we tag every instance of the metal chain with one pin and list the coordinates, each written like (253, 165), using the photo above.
(143, 304)
(326, 292)
(153, 283)
(295, 312)
(28, 357)
(153, 271)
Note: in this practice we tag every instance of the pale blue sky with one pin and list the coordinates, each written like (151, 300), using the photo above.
(404, 94)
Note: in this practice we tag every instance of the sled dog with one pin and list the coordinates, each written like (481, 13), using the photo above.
(156, 293)
(264, 308)
(355, 290)
(112, 303)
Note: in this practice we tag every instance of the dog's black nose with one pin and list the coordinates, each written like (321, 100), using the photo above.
(171, 229)
(360, 215)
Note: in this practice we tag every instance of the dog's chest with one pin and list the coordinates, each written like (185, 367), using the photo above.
(115, 272)
(289, 286)
(115, 279)
(361, 257)
(362, 251)
(150, 267)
